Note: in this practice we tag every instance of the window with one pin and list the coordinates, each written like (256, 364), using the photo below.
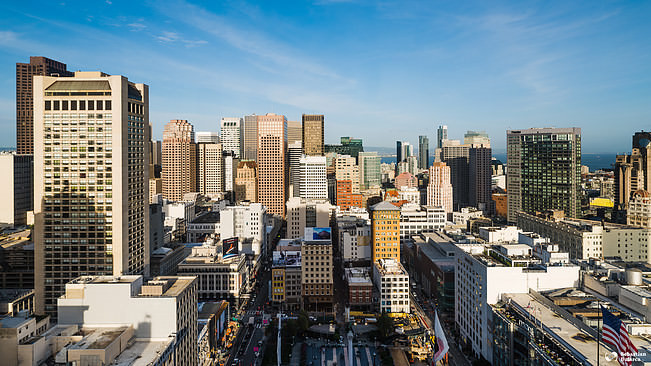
(56, 105)
(107, 105)
(73, 105)
(99, 105)
(82, 105)
(91, 105)
(48, 105)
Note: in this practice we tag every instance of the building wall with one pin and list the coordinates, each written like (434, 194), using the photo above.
(316, 277)
(250, 137)
(313, 183)
(303, 213)
(17, 189)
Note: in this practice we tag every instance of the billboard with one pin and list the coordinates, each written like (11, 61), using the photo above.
(229, 247)
(318, 233)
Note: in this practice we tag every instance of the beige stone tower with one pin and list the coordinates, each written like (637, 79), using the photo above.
(179, 160)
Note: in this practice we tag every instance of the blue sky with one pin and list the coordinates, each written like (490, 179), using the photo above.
(379, 70)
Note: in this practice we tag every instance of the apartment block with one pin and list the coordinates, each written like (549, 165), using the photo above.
(17, 188)
(317, 275)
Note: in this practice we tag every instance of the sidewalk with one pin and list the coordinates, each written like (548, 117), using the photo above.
(296, 354)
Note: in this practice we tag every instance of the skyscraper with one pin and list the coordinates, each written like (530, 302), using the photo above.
(272, 165)
(403, 150)
(385, 231)
(441, 135)
(543, 170)
(369, 170)
(294, 132)
(210, 169)
(24, 101)
(250, 139)
(423, 152)
(313, 183)
(179, 160)
(91, 180)
(313, 134)
(231, 135)
(439, 189)
(633, 171)
(480, 178)
(294, 152)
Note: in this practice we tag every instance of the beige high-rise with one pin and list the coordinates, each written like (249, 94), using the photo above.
(91, 180)
(439, 189)
(313, 134)
(179, 160)
(272, 164)
(210, 169)
(246, 181)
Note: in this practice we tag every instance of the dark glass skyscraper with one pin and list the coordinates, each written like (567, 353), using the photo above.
(544, 170)
(423, 152)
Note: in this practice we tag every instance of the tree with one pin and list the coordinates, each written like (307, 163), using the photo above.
(385, 325)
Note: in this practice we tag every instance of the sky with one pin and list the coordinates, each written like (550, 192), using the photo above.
(378, 70)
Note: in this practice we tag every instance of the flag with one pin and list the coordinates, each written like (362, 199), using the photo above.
(441, 347)
(614, 333)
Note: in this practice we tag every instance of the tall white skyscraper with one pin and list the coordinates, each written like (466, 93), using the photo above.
(231, 135)
(90, 180)
(313, 182)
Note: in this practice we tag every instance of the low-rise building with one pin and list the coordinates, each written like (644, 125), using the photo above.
(247, 222)
(360, 288)
(110, 311)
(17, 261)
(416, 219)
(392, 282)
(218, 278)
(286, 273)
(462, 217)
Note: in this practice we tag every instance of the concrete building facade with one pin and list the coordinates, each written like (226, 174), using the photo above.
(179, 169)
(273, 174)
(91, 180)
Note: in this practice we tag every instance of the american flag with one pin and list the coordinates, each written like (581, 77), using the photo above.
(614, 333)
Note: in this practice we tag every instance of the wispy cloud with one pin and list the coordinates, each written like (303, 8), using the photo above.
(136, 26)
(173, 37)
(246, 40)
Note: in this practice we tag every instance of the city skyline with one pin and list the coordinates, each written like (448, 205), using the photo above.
(576, 65)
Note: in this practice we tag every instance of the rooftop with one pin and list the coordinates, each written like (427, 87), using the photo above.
(384, 206)
(210, 217)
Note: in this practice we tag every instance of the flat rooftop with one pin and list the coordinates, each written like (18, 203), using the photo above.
(211, 217)
(142, 352)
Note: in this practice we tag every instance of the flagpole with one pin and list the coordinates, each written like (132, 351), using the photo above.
(598, 330)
